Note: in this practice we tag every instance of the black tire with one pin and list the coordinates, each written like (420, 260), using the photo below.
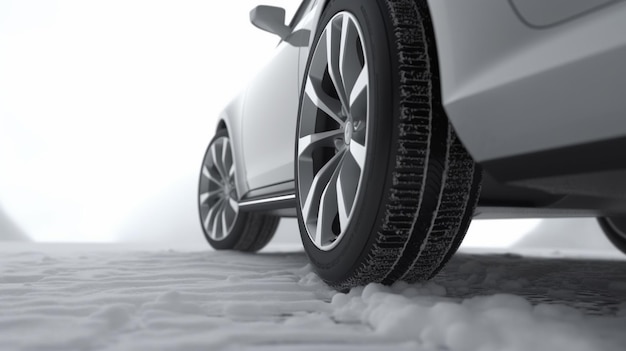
(615, 230)
(248, 232)
(419, 184)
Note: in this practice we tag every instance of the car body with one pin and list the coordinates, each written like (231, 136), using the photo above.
(535, 90)
(540, 106)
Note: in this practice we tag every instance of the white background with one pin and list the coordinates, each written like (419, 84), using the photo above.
(106, 108)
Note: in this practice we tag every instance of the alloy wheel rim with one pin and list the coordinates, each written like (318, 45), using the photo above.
(333, 126)
(217, 198)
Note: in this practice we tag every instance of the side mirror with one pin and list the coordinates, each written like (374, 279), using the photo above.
(270, 19)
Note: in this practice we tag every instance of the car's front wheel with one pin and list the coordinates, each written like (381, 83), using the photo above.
(385, 190)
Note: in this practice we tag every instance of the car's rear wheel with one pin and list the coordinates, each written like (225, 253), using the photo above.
(385, 190)
(225, 226)
(615, 230)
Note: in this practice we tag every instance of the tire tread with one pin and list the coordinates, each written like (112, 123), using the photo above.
(433, 178)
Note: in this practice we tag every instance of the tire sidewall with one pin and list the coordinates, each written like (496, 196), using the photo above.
(338, 263)
(610, 229)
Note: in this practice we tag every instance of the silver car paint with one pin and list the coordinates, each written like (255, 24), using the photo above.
(545, 13)
(510, 89)
(269, 120)
(501, 79)
(270, 108)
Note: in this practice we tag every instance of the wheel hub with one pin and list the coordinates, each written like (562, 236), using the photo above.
(347, 133)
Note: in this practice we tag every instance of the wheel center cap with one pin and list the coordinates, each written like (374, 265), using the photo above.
(347, 133)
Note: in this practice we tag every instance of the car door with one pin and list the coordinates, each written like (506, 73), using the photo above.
(270, 114)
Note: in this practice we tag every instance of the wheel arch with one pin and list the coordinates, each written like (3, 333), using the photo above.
(231, 119)
(221, 125)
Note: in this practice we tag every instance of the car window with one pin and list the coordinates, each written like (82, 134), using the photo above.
(302, 10)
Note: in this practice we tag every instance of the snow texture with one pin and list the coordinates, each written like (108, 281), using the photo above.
(121, 299)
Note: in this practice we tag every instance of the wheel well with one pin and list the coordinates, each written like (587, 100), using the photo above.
(221, 126)
(327, 2)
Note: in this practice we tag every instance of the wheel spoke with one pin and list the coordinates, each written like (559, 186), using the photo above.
(205, 196)
(341, 203)
(234, 205)
(219, 209)
(231, 171)
(320, 181)
(225, 154)
(333, 48)
(343, 48)
(359, 86)
(322, 101)
(225, 223)
(350, 56)
(208, 175)
(217, 162)
(210, 217)
(327, 210)
(207, 220)
(214, 226)
(358, 153)
(313, 141)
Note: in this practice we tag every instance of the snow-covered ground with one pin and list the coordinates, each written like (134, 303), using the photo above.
(114, 297)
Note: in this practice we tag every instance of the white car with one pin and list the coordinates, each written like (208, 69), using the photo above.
(377, 122)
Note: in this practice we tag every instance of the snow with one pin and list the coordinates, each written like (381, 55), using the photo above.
(115, 297)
